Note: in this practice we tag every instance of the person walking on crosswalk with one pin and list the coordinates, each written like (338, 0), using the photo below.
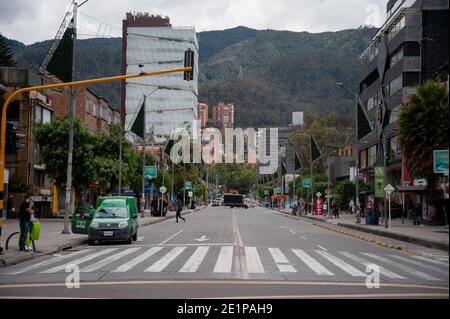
(179, 209)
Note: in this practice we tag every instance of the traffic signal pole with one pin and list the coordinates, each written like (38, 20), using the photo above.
(57, 86)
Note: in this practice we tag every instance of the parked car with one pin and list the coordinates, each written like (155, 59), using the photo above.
(114, 220)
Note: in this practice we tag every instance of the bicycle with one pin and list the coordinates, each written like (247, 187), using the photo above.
(16, 233)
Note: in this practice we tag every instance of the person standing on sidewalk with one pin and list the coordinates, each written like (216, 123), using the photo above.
(25, 221)
(179, 209)
(335, 210)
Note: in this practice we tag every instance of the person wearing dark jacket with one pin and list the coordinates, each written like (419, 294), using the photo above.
(24, 221)
(179, 209)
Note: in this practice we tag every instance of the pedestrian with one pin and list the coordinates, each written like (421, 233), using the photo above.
(179, 209)
(335, 210)
(351, 206)
(25, 214)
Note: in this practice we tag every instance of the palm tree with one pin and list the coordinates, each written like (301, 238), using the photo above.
(424, 127)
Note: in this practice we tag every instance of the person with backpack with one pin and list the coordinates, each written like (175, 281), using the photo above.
(179, 210)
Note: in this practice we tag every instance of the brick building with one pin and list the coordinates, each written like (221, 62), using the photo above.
(26, 171)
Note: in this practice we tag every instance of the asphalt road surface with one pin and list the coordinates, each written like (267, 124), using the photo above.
(231, 253)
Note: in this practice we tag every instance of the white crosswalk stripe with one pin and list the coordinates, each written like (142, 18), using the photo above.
(365, 262)
(109, 260)
(431, 260)
(195, 260)
(349, 269)
(49, 262)
(403, 267)
(280, 258)
(313, 264)
(254, 264)
(139, 259)
(417, 263)
(225, 260)
(166, 260)
(79, 261)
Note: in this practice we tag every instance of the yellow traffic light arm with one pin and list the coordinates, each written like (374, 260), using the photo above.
(56, 86)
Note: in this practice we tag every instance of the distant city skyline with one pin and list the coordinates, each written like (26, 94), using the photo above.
(30, 21)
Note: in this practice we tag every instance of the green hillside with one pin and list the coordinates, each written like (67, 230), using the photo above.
(267, 74)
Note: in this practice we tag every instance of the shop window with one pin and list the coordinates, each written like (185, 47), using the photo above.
(372, 156)
(363, 159)
(394, 149)
(394, 114)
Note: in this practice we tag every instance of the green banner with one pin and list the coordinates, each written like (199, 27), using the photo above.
(151, 172)
(307, 183)
(379, 182)
(441, 162)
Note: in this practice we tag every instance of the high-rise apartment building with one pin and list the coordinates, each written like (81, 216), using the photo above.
(202, 112)
(223, 115)
(151, 43)
(410, 47)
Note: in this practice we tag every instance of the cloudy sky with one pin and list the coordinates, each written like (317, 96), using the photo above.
(30, 21)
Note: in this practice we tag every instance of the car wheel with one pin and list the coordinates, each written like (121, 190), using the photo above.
(135, 237)
(91, 242)
(129, 240)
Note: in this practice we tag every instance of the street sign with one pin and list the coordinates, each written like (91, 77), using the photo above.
(379, 182)
(307, 182)
(266, 193)
(190, 194)
(389, 189)
(278, 190)
(420, 182)
(318, 194)
(440, 159)
(162, 189)
(188, 185)
(151, 172)
(328, 191)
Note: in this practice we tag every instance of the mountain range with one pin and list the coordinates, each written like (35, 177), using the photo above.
(267, 74)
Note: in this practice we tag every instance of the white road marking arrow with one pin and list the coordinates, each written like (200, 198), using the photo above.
(203, 238)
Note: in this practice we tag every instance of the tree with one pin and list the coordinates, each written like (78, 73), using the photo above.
(424, 127)
(53, 141)
(6, 54)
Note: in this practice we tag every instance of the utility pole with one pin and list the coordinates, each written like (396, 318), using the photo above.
(71, 127)
(120, 160)
(143, 160)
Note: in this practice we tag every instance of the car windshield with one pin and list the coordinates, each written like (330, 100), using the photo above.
(111, 212)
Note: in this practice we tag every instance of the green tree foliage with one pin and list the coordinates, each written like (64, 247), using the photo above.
(95, 157)
(424, 127)
(53, 140)
(6, 53)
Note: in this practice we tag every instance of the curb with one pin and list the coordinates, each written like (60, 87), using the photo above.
(75, 243)
(414, 240)
(405, 238)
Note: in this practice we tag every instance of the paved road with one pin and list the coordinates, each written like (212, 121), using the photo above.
(222, 252)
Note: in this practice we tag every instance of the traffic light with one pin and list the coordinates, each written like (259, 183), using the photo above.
(11, 145)
(189, 62)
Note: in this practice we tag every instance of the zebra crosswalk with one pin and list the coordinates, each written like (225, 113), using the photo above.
(257, 261)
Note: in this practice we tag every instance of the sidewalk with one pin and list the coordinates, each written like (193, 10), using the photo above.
(52, 240)
(429, 236)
